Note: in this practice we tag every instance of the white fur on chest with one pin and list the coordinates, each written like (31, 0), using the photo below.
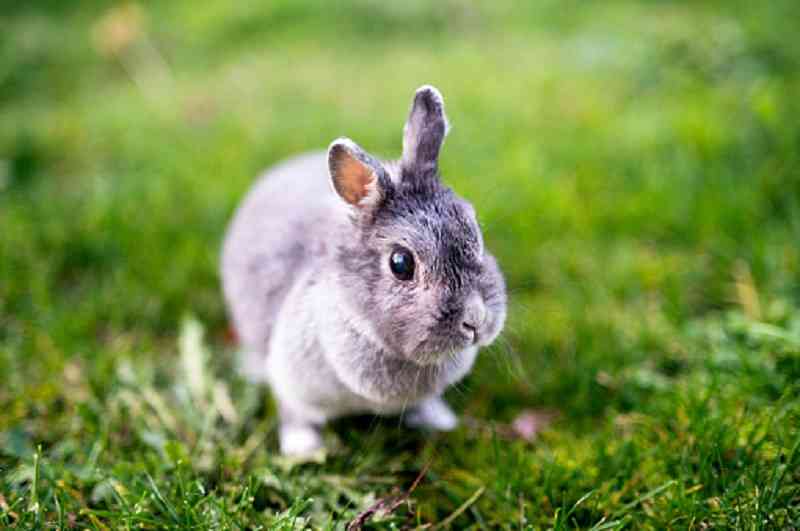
(321, 376)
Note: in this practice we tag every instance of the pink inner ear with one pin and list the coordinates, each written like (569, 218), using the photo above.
(353, 179)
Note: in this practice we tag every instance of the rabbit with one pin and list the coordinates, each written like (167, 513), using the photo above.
(357, 285)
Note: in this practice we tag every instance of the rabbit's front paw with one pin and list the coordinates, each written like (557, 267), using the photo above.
(300, 440)
(432, 414)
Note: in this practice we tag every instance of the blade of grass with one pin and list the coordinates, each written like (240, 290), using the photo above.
(463, 507)
(34, 506)
(160, 498)
(778, 473)
(653, 493)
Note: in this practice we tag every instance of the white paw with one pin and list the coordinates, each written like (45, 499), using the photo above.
(300, 441)
(433, 414)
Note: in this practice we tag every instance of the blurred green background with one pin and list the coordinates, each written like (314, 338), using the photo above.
(636, 169)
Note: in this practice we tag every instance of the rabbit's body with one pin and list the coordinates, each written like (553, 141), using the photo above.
(277, 232)
(276, 260)
(371, 295)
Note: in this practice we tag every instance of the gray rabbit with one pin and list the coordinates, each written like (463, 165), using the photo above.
(361, 286)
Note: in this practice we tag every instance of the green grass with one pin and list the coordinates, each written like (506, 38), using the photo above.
(636, 168)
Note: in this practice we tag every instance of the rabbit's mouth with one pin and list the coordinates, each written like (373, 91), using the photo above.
(470, 332)
(432, 351)
(473, 321)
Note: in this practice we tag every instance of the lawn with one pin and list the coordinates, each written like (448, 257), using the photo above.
(636, 170)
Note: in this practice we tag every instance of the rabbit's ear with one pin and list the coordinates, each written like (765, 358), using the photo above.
(425, 129)
(358, 178)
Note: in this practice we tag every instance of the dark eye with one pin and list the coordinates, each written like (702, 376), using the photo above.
(402, 264)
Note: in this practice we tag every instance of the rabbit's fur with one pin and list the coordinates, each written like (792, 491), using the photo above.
(322, 317)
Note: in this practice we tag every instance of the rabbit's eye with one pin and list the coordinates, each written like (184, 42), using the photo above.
(402, 264)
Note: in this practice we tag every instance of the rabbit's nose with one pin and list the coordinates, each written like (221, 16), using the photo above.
(474, 315)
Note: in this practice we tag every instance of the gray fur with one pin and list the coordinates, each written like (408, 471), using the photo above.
(323, 320)
(424, 131)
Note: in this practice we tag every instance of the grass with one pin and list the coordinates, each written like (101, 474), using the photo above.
(636, 168)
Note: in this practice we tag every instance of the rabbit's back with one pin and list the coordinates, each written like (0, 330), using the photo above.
(278, 231)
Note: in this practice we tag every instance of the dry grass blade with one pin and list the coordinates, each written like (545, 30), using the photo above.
(386, 505)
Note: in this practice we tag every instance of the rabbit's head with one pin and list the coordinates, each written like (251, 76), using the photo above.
(412, 263)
